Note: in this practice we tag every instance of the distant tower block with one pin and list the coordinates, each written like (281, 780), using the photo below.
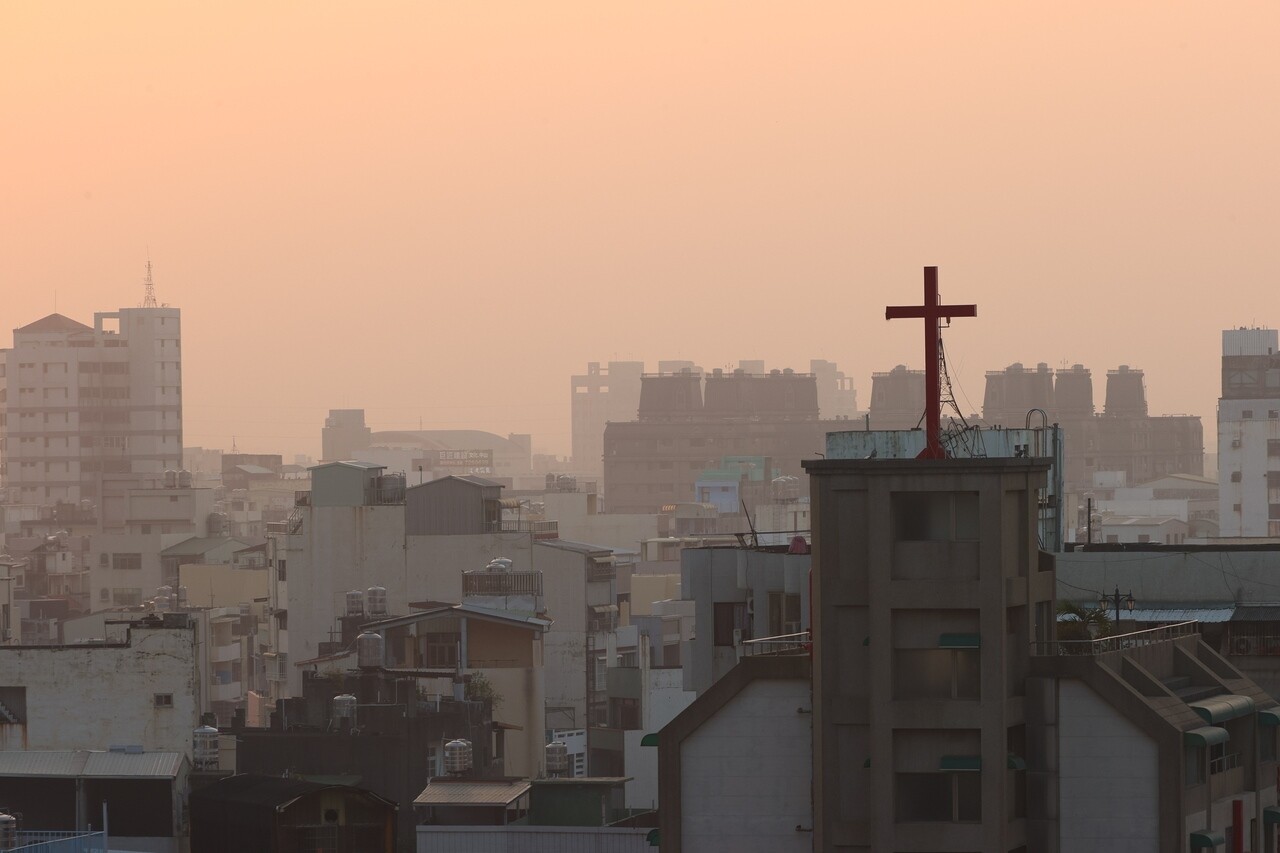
(664, 397)
(1014, 391)
(1074, 392)
(1126, 392)
(897, 398)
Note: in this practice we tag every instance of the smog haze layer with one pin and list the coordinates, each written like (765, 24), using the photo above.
(438, 212)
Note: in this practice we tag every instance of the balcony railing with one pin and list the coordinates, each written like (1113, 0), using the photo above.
(502, 583)
(539, 529)
(1116, 642)
(60, 842)
(783, 644)
(1224, 763)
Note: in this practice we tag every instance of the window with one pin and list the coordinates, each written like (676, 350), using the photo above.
(104, 594)
(728, 616)
(935, 516)
(126, 597)
(1235, 476)
(163, 700)
(442, 649)
(936, 674)
(280, 573)
(944, 796)
(1267, 743)
(625, 714)
(126, 561)
(1273, 413)
(1246, 414)
(1273, 447)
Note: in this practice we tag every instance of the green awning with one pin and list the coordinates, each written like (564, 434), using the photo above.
(651, 739)
(652, 838)
(1219, 709)
(1269, 716)
(1205, 736)
(961, 762)
(1016, 762)
(1207, 839)
(959, 641)
(1271, 815)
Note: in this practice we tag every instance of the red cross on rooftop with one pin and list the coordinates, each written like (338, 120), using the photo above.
(932, 313)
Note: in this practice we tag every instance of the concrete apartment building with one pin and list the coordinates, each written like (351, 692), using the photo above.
(142, 689)
(92, 411)
(359, 528)
(1249, 434)
(687, 425)
(1123, 437)
(601, 395)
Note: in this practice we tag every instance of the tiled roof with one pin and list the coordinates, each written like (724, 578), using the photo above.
(85, 763)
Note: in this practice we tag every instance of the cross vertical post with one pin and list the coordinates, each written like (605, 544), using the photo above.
(932, 312)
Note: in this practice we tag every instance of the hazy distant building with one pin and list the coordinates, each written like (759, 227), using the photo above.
(1123, 437)
(91, 410)
(897, 398)
(426, 454)
(1249, 434)
(837, 398)
(343, 435)
(601, 395)
(687, 425)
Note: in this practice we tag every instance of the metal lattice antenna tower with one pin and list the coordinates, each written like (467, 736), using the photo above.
(149, 299)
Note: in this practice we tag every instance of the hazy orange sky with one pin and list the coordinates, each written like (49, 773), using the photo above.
(440, 211)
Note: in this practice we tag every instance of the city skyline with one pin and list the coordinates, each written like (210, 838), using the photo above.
(728, 182)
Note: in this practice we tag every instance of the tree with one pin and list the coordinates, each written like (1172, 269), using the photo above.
(481, 689)
(1082, 622)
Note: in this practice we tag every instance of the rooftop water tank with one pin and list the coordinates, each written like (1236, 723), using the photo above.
(376, 598)
(557, 758)
(369, 649)
(170, 479)
(184, 479)
(182, 597)
(457, 756)
(344, 707)
(355, 603)
(8, 831)
(205, 752)
(499, 564)
(164, 591)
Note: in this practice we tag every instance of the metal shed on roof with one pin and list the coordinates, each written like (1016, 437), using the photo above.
(500, 792)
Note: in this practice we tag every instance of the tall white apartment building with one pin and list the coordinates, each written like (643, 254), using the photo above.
(1249, 434)
(91, 411)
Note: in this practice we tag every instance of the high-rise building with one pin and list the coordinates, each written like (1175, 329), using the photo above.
(92, 411)
(611, 393)
(1249, 434)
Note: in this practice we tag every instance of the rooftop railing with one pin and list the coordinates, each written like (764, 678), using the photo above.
(1116, 642)
(539, 529)
(783, 644)
(502, 583)
(60, 842)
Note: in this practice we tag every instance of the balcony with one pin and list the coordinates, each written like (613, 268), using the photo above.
(224, 653)
(277, 666)
(601, 570)
(229, 692)
(539, 529)
(502, 583)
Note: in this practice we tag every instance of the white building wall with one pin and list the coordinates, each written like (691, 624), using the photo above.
(1242, 451)
(1108, 800)
(663, 699)
(745, 774)
(81, 697)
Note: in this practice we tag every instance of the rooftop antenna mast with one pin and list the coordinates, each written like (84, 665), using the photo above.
(149, 299)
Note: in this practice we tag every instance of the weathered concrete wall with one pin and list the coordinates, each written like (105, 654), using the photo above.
(93, 697)
(756, 738)
(1107, 780)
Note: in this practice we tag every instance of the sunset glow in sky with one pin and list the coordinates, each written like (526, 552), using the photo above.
(439, 211)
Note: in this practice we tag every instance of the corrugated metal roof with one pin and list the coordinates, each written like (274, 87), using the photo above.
(116, 764)
(83, 763)
(1180, 614)
(198, 546)
(498, 793)
(1258, 613)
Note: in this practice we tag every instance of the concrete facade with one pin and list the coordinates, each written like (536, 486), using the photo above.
(928, 592)
(144, 690)
(1108, 777)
